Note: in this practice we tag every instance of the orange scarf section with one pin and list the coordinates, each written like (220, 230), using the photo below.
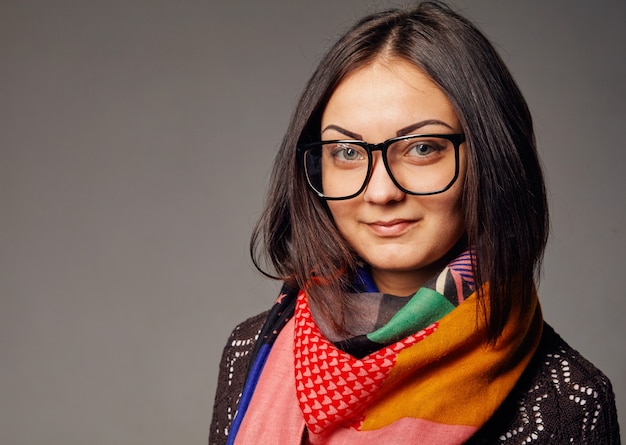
(454, 376)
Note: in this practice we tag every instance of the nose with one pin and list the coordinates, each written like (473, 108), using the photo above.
(380, 189)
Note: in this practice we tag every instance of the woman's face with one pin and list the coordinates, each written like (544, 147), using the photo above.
(402, 237)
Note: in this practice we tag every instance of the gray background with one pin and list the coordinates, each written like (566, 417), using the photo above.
(136, 139)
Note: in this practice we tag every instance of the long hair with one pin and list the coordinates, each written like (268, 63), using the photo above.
(504, 199)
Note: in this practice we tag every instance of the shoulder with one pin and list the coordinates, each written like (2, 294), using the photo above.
(232, 374)
(582, 387)
(561, 398)
(239, 346)
(246, 332)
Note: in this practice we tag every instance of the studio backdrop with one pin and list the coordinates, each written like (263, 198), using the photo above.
(136, 140)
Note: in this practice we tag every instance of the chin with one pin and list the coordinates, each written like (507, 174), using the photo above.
(395, 266)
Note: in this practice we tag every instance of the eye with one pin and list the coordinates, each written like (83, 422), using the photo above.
(346, 152)
(423, 149)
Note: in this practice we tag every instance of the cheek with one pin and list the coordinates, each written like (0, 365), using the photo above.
(456, 218)
(344, 214)
(446, 211)
(450, 203)
(341, 212)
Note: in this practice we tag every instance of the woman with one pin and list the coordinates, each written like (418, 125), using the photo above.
(407, 217)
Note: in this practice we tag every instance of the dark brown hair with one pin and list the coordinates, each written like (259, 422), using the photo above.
(504, 198)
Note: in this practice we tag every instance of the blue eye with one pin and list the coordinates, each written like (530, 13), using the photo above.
(423, 149)
(345, 152)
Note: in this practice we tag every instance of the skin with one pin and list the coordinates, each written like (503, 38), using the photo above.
(404, 238)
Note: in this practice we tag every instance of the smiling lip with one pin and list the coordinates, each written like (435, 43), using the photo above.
(390, 229)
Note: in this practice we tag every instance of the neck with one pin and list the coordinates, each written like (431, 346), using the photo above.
(402, 283)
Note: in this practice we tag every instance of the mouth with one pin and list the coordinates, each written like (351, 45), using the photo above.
(393, 228)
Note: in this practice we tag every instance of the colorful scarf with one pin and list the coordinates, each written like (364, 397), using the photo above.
(428, 375)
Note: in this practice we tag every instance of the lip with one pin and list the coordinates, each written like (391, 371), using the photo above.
(393, 228)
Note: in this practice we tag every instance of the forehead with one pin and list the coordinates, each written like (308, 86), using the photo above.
(386, 95)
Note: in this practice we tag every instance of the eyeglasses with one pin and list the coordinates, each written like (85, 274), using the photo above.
(423, 164)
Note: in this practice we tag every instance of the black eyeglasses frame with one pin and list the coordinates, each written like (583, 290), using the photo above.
(456, 138)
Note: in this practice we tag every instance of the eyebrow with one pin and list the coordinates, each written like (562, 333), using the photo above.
(343, 131)
(408, 130)
(402, 132)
